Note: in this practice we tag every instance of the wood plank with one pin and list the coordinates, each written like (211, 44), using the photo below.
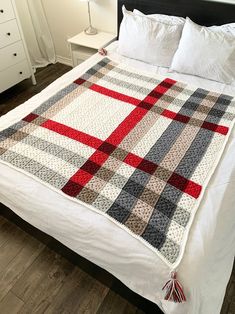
(14, 241)
(10, 304)
(15, 220)
(6, 229)
(42, 296)
(30, 249)
(114, 304)
(34, 275)
(79, 294)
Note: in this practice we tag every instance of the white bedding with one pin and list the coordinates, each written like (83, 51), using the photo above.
(207, 263)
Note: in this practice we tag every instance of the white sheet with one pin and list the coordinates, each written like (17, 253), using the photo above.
(207, 263)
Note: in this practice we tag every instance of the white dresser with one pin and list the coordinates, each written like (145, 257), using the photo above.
(15, 64)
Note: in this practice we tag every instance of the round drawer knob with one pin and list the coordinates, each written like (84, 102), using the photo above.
(2, 11)
(8, 34)
(15, 54)
(20, 72)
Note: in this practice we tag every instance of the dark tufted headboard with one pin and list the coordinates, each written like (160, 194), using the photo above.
(200, 11)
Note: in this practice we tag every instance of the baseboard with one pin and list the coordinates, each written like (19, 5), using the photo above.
(64, 60)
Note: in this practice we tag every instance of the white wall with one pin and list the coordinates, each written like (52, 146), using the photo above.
(67, 18)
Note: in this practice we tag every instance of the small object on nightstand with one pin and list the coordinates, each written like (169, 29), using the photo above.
(103, 52)
(83, 46)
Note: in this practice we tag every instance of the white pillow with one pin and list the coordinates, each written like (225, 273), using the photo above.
(168, 19)
(174, 20)
(205, 52)
(147, 40)
(226, 28)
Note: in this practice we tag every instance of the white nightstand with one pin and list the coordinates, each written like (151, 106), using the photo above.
(83, 46)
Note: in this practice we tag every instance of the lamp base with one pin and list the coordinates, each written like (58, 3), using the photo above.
(90, 31)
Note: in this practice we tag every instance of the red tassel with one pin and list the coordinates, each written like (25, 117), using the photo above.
(103, 52)
(174, 290)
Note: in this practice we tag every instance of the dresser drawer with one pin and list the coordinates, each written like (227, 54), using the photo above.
(14, 75)
(11, 55)
(9, 33)
(6, 11)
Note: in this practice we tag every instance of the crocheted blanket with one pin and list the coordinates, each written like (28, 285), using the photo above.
(136, 148)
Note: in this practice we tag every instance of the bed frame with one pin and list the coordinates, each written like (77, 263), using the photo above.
(202, 12)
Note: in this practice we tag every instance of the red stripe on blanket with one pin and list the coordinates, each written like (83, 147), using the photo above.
(175, 116)
(176, 180)
(104, 148)
(79, 81)
(126, 126)
(98, 158)
(136, 115)
(76, 135)
(205, 125)
(81, 177)
(119, 134)
(150, 100)
(140, 163)
(30, 117)
(108, 92)
(215, 127)
(133, 160)
(185, 185)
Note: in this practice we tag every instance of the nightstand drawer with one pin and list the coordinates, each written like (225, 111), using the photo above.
(14, 75)
(9, 33)
(11, 55)
(6, 11)
(81, 54)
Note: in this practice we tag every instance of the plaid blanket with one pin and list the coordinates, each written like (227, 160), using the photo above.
(136, 148)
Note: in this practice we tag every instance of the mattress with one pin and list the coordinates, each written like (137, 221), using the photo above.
(210, 249)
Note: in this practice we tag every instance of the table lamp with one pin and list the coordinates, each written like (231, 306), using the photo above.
(90, 30)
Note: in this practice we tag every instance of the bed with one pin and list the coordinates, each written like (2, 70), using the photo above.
(209, 252)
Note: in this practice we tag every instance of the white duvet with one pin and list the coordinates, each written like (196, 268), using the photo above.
(208, 259)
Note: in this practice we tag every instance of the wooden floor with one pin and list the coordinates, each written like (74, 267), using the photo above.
(36, 279)
(24, 90)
